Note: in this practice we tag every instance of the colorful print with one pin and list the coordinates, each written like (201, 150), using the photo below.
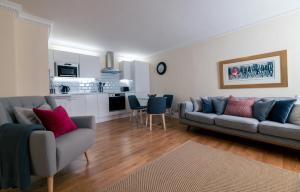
(263, 70)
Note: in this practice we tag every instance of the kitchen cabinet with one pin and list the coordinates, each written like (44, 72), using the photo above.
(65, 57)
(137, 71)
(78, 105)
(92, 105)
(89, 104)
(127, 70)
(51, 63)
(141, 77)
(89, 66)
(64, 101)
(103, 105)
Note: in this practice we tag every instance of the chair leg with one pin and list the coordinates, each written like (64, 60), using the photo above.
(141, 117)
(131, 115)
(50, 183)
(150, 122)
(164, 121)
(86, 156)
(146, 120)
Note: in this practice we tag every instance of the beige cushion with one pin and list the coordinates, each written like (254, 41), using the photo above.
(27, 116)
(295, 115)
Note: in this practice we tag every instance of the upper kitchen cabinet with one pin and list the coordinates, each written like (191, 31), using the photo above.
(137, 71)
(141, 77)
(89, 66)
(127, 70)
(66, 57)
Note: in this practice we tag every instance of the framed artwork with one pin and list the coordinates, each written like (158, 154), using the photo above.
(258, 71)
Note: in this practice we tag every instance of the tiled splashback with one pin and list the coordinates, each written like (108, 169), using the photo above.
(88, 85)
(77, 85)
(112, 82)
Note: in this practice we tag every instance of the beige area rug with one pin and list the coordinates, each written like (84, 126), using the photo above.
(194, 167)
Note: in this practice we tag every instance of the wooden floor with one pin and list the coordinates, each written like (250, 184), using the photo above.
(122, 147)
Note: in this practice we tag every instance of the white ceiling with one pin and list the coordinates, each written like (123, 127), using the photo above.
(144, 27)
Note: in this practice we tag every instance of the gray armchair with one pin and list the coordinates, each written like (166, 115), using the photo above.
(49, 154)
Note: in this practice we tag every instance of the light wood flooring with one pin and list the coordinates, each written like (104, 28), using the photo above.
(121, 147)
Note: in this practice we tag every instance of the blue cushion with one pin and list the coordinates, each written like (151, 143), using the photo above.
(281, 110)
(207, 105)
(219, 104)
(261, 109)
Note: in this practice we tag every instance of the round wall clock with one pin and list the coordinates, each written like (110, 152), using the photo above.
(161, 68)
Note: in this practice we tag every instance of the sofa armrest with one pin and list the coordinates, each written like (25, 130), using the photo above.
(85, 122)
(43, 153)
(184, 107)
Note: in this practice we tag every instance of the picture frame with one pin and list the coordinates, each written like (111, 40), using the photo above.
(257, 71)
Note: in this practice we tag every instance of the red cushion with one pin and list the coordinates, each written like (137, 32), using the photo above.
(239, 107)
(57, 121)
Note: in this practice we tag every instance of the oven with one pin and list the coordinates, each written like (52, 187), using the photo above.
(66, 70)
(117, 102)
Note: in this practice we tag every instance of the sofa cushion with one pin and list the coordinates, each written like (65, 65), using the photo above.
(207, 105)
(207, 118)
(71, 145)
(57, 121)
(261, 109)
(197, 104)
(294, 117)
(286, 130)
(4, 117)
(27, 116)
(234, 122)
(219, 104)
(281, 110)
(239, 107)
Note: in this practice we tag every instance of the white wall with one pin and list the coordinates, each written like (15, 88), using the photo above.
(7, 55)
(24, 56)
(193, 70)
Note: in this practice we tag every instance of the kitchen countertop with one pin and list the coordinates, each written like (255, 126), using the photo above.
(91, 93)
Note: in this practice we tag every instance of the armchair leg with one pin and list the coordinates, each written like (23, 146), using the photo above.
(50, 183)
(86, 156)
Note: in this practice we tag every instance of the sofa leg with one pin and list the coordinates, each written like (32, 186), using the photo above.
(50, 183)
(188, 128)
(86, 156)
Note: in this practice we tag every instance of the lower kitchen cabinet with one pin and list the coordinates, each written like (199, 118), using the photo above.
(64, 101)
(92, 105)
(103, 106)
(78, 105)
(89, 104)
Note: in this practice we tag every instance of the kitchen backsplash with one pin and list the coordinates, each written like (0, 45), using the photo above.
(88, 85)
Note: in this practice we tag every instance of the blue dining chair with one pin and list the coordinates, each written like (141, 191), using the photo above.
(135, 105)
(169, 101)
(156, 106)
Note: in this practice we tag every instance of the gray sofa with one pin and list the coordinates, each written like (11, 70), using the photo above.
(287, 135)
(49, 154)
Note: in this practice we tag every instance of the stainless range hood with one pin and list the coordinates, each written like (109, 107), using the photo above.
(110, 64)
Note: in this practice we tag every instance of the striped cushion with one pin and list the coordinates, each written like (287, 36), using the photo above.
(239, 107)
